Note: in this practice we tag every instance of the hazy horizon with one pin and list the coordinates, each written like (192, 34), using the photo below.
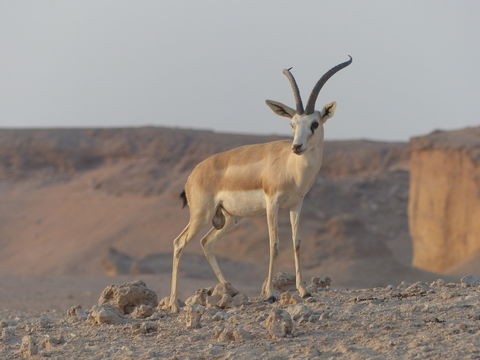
(210, 65)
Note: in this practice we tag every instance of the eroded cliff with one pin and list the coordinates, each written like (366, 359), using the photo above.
(444, 198)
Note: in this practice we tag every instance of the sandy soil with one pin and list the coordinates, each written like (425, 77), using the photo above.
(421, 321)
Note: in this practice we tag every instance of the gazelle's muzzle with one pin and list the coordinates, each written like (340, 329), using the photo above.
(297, 148)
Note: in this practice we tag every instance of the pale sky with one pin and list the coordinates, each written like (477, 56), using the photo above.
(211, 64)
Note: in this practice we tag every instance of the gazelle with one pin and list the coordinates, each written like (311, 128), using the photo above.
(253, 179)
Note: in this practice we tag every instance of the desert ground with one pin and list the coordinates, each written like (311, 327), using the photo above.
(82, 209)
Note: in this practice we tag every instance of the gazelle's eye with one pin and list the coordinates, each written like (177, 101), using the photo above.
(314, 126)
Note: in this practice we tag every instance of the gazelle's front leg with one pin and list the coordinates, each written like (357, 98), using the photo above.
(294, 219)
(272, 221)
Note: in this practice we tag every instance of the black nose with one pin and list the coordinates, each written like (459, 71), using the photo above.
(297, 148)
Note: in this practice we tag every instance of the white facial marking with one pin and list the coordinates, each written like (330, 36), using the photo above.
(303, 131)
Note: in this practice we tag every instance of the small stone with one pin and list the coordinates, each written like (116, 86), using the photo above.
(212, 301)
(470, 280)
(224, 288)
(288, 298)
(300, 312)
(146, 327)
(28, 347)
(279, 323)
(438, 283)
(225, 301)
(3, 324)
(7, 334)
(239, 300)
(76, 312)
(418, 288)
(193, 315)
(142, 312)
(50, 342)
(324, 316)
(225, 335)
(105, 314)
(44, 322)
(240, 334)
(322, 282)
(199, 297)
(228, 334)
(261, 317)
(220, 316)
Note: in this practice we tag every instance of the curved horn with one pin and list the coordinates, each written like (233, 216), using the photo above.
(296, 92)
(318, 86)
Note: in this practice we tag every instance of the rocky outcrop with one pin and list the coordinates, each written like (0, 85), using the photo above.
(444, 198)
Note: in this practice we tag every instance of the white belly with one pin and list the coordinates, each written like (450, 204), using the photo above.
(242, 203)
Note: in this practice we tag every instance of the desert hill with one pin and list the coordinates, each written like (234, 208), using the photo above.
(70, 195)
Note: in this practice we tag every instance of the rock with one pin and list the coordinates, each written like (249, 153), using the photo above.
(221, 315)
(51, 341)
(300, 313)
(76, 312)
(279, 323)
(142, 312)
(28, 347)
(224, 289)
(146, 327)
(7, 334)
(117, 263)
(105, 314)
(288, 298)
(438, 283)
(470, 280)
(444, 199)
(239, 300)
(199, 297)
(212, 301)
(225, 302)
(43, 323)
(193, 314)
(127, 296)
(418, 288)
(321, 282)
(229, 334)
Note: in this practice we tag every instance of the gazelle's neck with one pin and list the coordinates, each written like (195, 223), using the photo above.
(305, 167)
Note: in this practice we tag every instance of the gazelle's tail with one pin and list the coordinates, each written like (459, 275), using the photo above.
(183, 196)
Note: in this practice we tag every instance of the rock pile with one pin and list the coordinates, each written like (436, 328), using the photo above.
(121, 303)
(222, 296)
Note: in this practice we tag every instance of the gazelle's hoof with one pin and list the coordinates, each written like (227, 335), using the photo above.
(271, 299)
(306, 295)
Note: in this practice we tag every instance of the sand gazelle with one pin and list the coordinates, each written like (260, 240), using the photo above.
(253, 179)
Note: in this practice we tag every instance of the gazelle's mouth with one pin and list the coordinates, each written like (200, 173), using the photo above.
(298, 151)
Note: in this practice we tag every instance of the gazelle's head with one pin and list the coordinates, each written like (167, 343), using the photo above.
(307, 124)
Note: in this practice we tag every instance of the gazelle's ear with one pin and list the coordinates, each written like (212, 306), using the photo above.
(328, 111)
(280, 109)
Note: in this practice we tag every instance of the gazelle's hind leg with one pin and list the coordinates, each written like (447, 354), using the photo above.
(209, 239)
(178, 245)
